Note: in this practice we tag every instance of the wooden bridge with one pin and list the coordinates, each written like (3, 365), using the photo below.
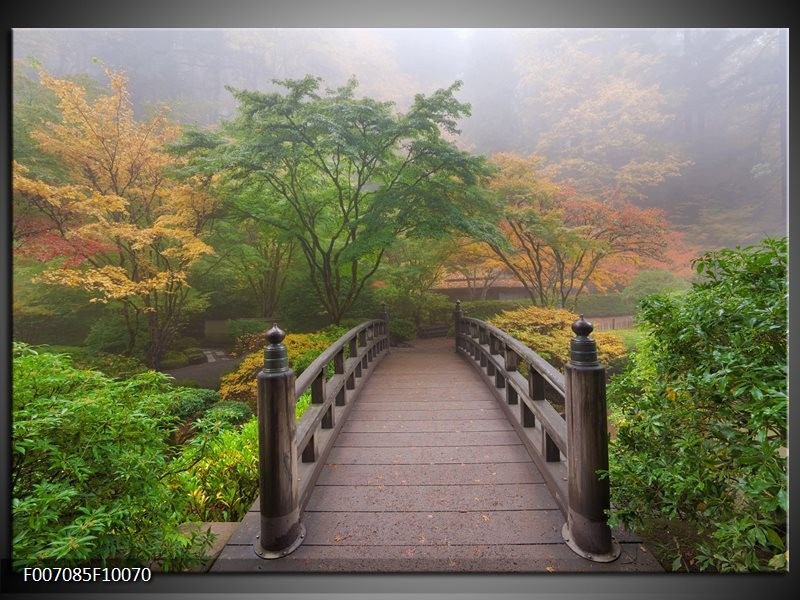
(441, 457)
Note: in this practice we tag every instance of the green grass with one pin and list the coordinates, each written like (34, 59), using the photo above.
(631, 337)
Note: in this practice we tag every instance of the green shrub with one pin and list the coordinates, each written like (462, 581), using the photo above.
(174, 360)
(701, 413)
(110, 334)
(653, 281)
(195, 356)
(224, 415)
(222, 483)
(111, 365)
(402, 329)
(188, 403)
(185, 343)
(486, 309)
(89, 457)
(239, 327)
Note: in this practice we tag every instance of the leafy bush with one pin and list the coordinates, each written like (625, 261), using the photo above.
(223, 483)
(187, 403)
(239, 327)
(486, 309)
(174, 360)
(653, 281)
(224, 415)
(548, 331)
(302, 349)
(88, 457)
(701, 413)
(402, 329)
(111, 365)
(110, 334)
(195, 356)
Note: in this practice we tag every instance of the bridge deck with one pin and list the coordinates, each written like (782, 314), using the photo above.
(428, 475)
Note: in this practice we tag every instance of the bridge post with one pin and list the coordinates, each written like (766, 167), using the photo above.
(586, 531)
(384, 316)
(457, 314)
(281, 530)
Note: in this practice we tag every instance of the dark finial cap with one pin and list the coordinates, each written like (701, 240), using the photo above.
(458, 304)
(275, 355)
(583, 349)
(582, 327)
(275, 335)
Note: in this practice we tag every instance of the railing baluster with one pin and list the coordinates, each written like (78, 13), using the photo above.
(549, 449)
(328, 419)
(318, 389)
(511, 395)
(338, 362)
(309, 454)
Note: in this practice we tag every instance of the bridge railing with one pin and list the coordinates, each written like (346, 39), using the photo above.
(291, 454)
(568, 451)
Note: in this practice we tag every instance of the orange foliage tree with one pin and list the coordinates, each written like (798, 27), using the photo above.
(131, 232)
(557, 243)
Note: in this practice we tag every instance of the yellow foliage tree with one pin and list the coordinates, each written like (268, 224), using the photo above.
(134, 231)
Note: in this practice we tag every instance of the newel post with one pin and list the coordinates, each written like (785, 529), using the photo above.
(281, 530)
(458, 313)
(586, 531)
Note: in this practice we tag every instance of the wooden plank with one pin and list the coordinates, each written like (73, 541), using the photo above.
(394, 426)
(446, 474)
(414, 439)
(426, 405)
(433, 498)
(425, 415)
(428, 455)
(403, 528)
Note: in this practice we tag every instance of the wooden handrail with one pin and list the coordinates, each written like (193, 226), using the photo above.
(541, 427)
(291, 454)
(569, 452)
(316, 429)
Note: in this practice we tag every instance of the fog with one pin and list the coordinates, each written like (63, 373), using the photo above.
(690, 121)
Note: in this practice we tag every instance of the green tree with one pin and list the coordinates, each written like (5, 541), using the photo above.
(653, 281)
(701, 413)
(344, 176)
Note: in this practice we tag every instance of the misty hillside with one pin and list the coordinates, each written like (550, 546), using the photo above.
(690, 121)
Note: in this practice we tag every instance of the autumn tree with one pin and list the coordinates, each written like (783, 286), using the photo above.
(596, 114)
(476, 264)
(558, 243)
(129, 233)
(344, 176)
